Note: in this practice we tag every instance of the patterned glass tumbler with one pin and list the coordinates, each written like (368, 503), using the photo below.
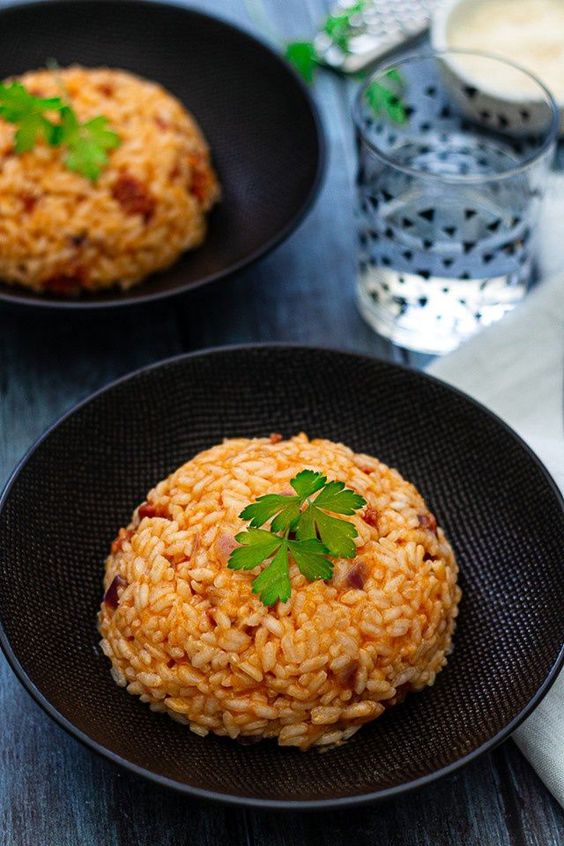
(454, 153)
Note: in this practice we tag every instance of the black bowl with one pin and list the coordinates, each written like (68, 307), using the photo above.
(495, 500)
(258, 117)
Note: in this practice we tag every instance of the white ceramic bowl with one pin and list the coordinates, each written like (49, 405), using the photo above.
(513, 101)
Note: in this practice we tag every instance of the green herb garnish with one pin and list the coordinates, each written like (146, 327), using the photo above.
(87, 144)
(19, 107)
(386, 96)
(303, 55)
(382, 97)
(338, 27)
(300, 527)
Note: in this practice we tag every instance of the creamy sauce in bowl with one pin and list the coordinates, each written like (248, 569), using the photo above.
(527, 32)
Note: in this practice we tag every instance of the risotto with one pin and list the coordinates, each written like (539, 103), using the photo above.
(63, 233)
(188, 636)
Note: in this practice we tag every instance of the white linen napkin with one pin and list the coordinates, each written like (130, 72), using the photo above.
(516, 368)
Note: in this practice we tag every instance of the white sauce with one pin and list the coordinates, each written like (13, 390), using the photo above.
(528, 32)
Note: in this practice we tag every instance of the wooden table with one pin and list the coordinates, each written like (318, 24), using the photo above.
(53, 792)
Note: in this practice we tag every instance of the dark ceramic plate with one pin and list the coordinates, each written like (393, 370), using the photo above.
(495, 500)
(259, 120)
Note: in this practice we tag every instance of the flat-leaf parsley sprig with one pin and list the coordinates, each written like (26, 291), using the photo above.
(19, 107)
(300, 527)
(54, 121)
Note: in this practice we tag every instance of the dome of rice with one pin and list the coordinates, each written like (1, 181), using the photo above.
(188, 635)
(62, 233)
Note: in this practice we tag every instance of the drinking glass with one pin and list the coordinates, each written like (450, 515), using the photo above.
(454, 153)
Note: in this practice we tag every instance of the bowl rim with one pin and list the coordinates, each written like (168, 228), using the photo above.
(11, 293)
(247, 801)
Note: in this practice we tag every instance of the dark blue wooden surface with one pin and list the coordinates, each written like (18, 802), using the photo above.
(55, 793)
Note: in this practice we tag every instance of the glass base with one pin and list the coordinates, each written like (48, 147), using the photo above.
(442, 314)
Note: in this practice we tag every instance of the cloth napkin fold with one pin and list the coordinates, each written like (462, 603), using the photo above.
(516, 368)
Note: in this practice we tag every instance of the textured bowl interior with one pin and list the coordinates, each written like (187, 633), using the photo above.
(255, 113)
(493, 498)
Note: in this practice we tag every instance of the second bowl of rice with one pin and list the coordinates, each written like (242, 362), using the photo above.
(61, 233)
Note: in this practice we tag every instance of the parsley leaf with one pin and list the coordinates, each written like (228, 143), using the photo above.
(381, 98)
(16, 103)
(311, 559)
(30, 131)
(274, 584)
(274, 581)
(270, 505)
(303, 56)
(256, 545)
(335, 497)
(88, 144)
(19, 107)
(308, 482)
(299, 527)
(288, 518)
(337, 535)
(395, 76)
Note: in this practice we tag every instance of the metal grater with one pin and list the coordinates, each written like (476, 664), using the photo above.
(381, 26)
